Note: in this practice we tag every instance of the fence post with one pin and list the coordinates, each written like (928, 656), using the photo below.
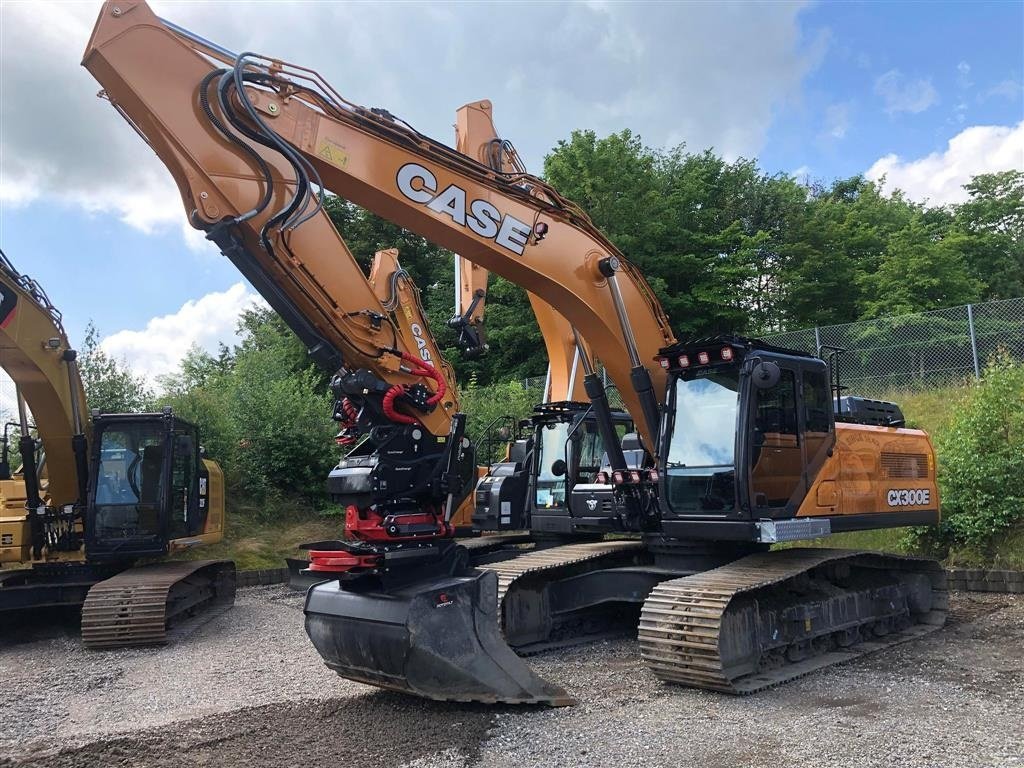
(974, 340)
(817, 339)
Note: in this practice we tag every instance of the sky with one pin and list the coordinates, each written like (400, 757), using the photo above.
(922, 94)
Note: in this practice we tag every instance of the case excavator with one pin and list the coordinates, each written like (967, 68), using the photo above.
(98, 492)
(740, 444)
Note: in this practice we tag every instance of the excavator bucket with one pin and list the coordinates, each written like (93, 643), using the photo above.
(439, 640)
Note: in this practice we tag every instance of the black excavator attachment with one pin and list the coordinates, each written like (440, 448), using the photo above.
(438, 639)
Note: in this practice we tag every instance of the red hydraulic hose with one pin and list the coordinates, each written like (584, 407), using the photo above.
(418, 368)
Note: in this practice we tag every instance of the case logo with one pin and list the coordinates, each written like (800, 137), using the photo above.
(420, 185)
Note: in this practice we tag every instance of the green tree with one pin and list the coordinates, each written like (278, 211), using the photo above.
(992, 223)
(263, 410)
(920, 270)
(110, 385)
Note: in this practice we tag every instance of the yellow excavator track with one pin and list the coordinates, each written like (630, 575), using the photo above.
(774, 616)
(140, 605)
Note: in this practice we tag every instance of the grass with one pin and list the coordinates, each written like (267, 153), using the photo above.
(262, 536)
(931, 410)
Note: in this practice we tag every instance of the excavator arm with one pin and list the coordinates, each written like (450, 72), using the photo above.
(36, 354)
(247, 142)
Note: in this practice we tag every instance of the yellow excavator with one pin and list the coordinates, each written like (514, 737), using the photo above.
(739, 445)
(97, 492)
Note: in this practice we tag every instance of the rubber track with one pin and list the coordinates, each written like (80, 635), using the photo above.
(131, 608)
(681, 619)
(554, 558)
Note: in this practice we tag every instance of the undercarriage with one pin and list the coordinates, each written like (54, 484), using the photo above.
(733, 618)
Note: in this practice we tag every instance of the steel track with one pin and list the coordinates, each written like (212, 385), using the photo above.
(685, 622)
(139, 605)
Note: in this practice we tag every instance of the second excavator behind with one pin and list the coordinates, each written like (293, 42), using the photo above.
(741, 445)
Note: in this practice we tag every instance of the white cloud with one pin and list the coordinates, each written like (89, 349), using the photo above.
(938, 178)
(963, 75)
(655, 67)
(59, 142)
(159, 347)
(903, 94)
(1010, 90)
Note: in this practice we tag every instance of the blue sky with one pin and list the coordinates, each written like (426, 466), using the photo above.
(963, 50)
(823, 90)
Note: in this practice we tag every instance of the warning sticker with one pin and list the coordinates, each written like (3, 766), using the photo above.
(332, 152)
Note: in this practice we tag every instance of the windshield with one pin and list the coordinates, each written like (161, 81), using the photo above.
(129, 481)
(700, 466)
(551, 448)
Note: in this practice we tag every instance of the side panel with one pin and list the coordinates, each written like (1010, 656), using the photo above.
(215, 501)
(875, 470)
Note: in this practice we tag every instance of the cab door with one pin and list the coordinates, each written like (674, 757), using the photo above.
(183, 500)
(776, 453)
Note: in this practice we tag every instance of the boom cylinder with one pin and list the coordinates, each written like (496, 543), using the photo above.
(599, 398)
(639, 376)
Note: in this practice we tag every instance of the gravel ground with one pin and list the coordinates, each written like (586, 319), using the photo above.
(248, 689)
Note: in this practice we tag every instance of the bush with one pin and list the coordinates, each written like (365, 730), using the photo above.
(264, 413)
(981, 462)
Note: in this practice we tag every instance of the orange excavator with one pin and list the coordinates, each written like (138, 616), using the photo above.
(738, 444)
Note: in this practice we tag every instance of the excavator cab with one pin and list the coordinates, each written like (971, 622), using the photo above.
(749, 424)
(563, 451)
(148, 485)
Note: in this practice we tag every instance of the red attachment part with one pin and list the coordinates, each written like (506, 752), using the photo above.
(427, 371)
(351, 418)
(339, 561)
(370, 525)
(389, 406)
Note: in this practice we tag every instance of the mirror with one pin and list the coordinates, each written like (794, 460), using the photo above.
(765, 375)
(504, 433)
(558, 468)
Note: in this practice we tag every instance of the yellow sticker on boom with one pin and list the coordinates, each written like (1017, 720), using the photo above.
(332, 152)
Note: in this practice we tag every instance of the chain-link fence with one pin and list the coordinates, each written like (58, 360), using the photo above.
(917, 351)
(538, 384)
